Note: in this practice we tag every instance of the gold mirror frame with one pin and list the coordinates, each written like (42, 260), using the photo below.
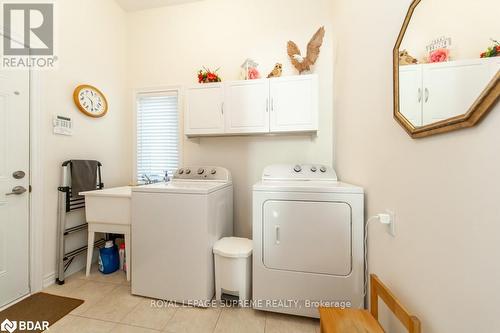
(483, 104)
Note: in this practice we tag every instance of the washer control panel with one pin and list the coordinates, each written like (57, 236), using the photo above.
(202, 173)
(286, 172)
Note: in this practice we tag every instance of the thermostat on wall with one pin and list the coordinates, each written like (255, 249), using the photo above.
(62, 125)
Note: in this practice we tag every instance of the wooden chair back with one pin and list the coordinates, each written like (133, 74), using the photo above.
(378, 289)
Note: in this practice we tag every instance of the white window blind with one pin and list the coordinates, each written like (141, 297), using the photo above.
(157, 135)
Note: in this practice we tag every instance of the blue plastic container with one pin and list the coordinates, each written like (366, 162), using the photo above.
(109, 260)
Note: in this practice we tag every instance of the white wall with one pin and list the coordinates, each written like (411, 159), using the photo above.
(169, 45)
(91, 46)
(443, 264)
(470, 24)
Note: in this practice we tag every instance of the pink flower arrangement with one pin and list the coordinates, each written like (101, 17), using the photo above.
(439, 55)
(253, 73)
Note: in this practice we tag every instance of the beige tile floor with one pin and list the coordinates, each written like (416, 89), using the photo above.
(109, 307)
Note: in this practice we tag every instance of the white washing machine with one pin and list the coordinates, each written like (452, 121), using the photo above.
(308, 240)
(174, 227)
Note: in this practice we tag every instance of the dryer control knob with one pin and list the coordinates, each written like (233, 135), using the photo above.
(213, 171)
(297, 168)
(188, 171)
(201, 171)
(314, 169)
(181, 171)
(322, 169)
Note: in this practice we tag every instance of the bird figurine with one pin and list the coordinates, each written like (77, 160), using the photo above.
(276, 72)
(300, 62)
(406, 59)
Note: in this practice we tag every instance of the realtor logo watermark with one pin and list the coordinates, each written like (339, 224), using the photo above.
(28, 35)
(11, 326)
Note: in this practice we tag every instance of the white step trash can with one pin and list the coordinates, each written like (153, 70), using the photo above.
(233, 267)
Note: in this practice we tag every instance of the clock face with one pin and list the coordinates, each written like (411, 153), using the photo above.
(90, 101)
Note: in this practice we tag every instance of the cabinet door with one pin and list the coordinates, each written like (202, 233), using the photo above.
(294, 103)
(293, 241)
(246, 106)
(450, 89)
(410, 93)
(204, 109)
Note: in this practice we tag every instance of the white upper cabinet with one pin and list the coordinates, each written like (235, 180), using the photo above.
(294, 103)
(429, 93)
(410, 98)
(451, 88)
(204, 109)
(246, 107)
(288, 104)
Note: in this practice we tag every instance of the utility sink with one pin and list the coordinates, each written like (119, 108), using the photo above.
(110, 205)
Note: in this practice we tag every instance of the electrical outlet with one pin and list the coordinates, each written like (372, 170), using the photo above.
(391, 228)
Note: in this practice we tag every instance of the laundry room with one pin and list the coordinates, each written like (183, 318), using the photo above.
(249, 166)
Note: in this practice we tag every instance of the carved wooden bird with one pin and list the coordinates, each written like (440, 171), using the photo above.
(304, 63)
(277, 70)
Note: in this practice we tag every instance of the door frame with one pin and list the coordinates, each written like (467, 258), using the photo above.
(36, 211)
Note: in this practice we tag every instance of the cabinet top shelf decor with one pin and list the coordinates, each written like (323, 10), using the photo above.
(276, 105)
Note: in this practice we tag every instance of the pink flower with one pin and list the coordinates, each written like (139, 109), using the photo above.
(253, 73)
(439, 55)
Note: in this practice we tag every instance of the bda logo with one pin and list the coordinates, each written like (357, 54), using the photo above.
(8, 326)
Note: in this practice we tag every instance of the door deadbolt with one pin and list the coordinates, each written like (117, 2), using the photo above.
(19, 174)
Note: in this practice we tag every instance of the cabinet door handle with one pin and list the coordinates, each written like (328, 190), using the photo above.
(272, 104)
(426, 95)
(419, 95)
(222, 108)
(267, 105)
(277, 230)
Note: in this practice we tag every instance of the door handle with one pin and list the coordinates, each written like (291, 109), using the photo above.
(426, 95)
(18, 190)
(277, 230)
(272, 104)
(267, 105)
(419, 95)
(222, 108)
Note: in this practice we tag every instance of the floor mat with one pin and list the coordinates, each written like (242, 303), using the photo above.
(30, 314)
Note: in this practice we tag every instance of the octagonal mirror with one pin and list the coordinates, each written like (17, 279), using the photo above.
(446, 65)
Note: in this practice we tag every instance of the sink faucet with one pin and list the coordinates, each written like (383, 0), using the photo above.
(147, 180)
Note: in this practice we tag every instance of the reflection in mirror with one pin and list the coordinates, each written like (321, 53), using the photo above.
(447, 57)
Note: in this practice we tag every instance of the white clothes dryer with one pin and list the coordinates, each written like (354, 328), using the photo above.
(308, 240)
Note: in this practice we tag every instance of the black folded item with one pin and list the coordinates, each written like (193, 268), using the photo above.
(83, 176)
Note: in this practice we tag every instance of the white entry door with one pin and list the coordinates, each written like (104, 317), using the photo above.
(14, 184)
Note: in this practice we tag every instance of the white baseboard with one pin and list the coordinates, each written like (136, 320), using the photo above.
(77, 265)
(14, 302)
(49, 280)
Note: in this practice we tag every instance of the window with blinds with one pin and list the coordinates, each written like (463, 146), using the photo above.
(157, 135)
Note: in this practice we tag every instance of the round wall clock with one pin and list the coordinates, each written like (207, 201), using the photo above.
(90, 101)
